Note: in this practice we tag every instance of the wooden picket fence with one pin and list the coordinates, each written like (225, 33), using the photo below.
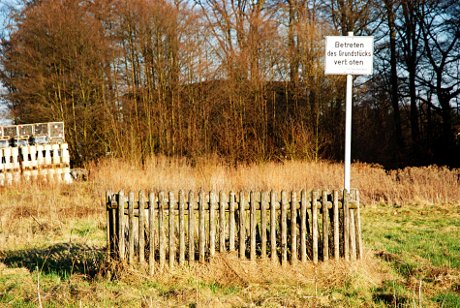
(48, 162)
(158, 229)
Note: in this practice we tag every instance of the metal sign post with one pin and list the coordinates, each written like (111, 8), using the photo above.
(348, 110)
(349, 55)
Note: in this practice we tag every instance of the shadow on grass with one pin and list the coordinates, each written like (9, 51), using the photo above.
(62, 259)
(389, 298)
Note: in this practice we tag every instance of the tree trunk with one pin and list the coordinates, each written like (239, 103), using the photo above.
(394, 93)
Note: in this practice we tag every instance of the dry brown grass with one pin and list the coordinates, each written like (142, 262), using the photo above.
(228, 281)
(34, 215)
(431, 184)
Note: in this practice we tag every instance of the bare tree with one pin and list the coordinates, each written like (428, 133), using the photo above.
(440, 70)
(54, 67)
(350, 15)
(390, 7)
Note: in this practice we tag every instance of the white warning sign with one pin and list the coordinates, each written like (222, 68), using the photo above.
(349, 55)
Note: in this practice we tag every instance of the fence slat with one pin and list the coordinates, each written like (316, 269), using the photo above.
(263, 224)
(346, 227)
(242, 226)
(141, 246)
(336, 225)
(131, 227)
(314, 213)
(325, 226)
(171, 236)
(151, 233)
(110, 225)
(191, 227)
(212, 223)
(283, 228)
(293, 227)
(252, 225)
(121, 226)
(359, 237)
(273, 255)
(201, 226)
(114, 241)
(352, 235)
(222, 227)
(303, 226)
(161, 230)
(231, 231)
(181, 228)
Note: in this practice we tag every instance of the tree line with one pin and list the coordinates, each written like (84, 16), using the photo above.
(241, 79)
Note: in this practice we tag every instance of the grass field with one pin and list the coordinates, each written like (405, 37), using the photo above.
(52, 241)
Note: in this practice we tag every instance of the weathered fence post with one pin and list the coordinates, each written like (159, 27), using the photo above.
(181, 228)
(212, 223)
(303, 226)
(121, 225)
(352, 236)
(314, 211)
(273, 227)
(231, 229)
(151, 233)
(131, 227)
(141, 229)
(191, 227)
(161, 229)
(358, 226)
(293, 227)
(283, 228)
(346, 226)
(252, 225)
(110, 226)
(222, 226)
(201, 226)
(242, 226)
(263, 224)
(325, 221)
(171, 237)
(335, 205)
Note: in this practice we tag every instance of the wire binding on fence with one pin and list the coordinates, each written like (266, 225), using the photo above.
(162, 229)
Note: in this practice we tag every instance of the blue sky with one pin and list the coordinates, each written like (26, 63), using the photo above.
(5, 6)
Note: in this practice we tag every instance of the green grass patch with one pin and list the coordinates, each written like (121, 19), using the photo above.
(416, 234)
(421, 245)
(447, 300)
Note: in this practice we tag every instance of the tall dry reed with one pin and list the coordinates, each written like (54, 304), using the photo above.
(410, 185)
